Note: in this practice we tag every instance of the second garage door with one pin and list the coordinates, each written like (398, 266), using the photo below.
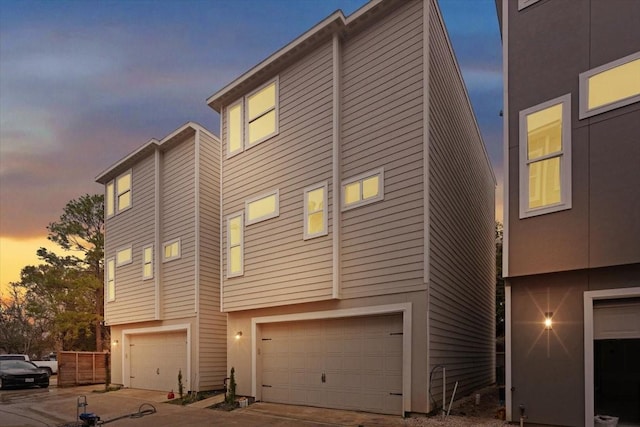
(348, 363)
(155, 360)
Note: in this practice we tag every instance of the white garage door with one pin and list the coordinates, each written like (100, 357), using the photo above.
(616, 319)
(155, 360)
(351, 363)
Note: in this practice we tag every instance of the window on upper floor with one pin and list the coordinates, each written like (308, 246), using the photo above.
(315, 211)
(147, 262)
(171, 250)
(124, 256)
(110, 279)
(109, 199)
(123, 192)
(263, 207)
(253, 119)
(610, 86)
(363, 189)
(235, 245)
(545, 157)
(526, 3)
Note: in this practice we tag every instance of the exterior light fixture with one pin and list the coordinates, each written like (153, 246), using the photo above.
(548, 320)
(238, 335)
(114, 343)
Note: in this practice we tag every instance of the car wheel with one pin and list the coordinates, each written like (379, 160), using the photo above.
(45, 385)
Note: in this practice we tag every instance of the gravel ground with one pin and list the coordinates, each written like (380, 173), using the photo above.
(465, 412)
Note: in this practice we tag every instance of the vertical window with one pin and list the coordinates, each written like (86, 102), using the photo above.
(362, 190)
(234, 129)
(610, 86)
(171, 250)
(545, 157)
(235, 243)
(124, 256)
(123, 190)
(109, 199)
(261, 114)
(315, 211)
(110, 279)
(263, 207)
(147, 262)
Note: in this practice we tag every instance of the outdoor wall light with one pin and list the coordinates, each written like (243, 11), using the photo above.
(548, 320)
(238, 335)
(114, 343)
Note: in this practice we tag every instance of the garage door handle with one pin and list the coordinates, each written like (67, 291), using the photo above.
(158, 371)
(323, 378)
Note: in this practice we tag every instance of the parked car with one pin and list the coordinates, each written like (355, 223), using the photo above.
(20, 373)
(50, 363)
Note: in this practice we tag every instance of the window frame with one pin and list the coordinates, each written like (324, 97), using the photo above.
(118, 193)
(362, 177)
(239, 102)
(325, 211)
(110, 290)
(230, 217)
(144, 262)
(122, 249)
(276, 110)
(275, 214)
(109, 199)
(169, 243)
(564, 156)
(584, 111)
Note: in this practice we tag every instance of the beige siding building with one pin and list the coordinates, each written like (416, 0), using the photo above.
(162, 277)
(357, 218)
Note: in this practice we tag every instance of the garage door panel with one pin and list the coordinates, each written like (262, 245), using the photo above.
(155, 360)
(361, 370)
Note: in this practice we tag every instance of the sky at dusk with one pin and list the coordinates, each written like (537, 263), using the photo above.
(84, 83)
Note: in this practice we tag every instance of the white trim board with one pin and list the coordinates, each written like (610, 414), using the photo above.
(404, 308)
(589, 298)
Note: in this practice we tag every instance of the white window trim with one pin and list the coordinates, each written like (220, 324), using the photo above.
(110, 297)
(111, 192)
(526, 3)
(565, 159)
(362, 177)
(245, 116)
(325, 211)
(584, 110)
(124, 248)
(168, 243)
(275, 214)
(147, 277)
(242, 128)
(228, 246)
(118, 193)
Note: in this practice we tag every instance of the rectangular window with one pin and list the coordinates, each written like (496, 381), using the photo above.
(109, 199)
(263, 207)
(262, 114)
(123, 191)
(610, 86)
(235, 245)
(362, 190)
(234, 129)
(124, 256)
(171, 250)
(147, 262)
(110, 279)
(315, 211)
(545, 157)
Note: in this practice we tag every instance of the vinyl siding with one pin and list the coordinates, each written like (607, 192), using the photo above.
(462, 251)
(279, 266)
(178, 222)
(212, 325)
(382, 243)
(133, 227)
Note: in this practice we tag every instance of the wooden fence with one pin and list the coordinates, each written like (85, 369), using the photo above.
(82, 367)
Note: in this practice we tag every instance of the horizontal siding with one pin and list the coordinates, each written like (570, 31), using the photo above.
(178, 221)
(212, 324)
(279, 266)
(133, 227)
(462, 257)
(382, 244)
